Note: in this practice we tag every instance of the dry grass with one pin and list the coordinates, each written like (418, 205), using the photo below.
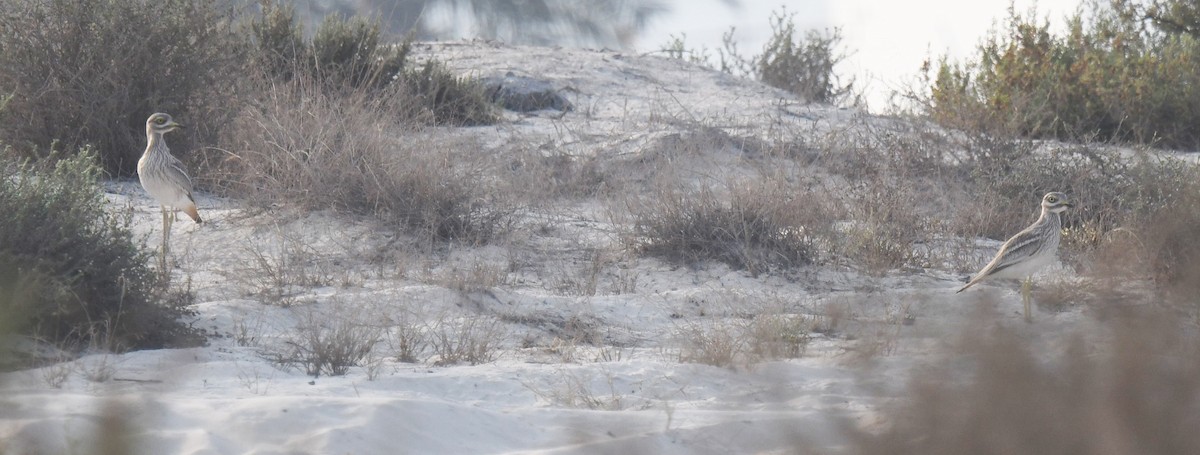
(1135, 390)
(757, 225)
(578, 391)
(327, 345)
(755, 329)
(82, 72)
(363, 152)
(473, 340)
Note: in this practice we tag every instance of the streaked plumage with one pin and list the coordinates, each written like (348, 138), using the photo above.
(161, 174)
(1031, 249)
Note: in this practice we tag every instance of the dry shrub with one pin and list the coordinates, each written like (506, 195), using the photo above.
(362, 152)
(755, 329)
(884, 225)
(90, 71)
(325, 344)
(1154, 243)
(1173, 244)
(754, 225)
(478, 276)
(713, 343)
(1136, 391)
(472, 340)
(743, 342)
(577, 390)
(279, 269)
(915, 183)
(406, 336)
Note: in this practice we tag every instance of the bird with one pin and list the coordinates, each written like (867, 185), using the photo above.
(164, 177)
(1029, 250)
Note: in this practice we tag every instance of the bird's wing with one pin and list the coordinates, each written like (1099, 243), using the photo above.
(1026, 243)
(1018, 248)
(178, 175)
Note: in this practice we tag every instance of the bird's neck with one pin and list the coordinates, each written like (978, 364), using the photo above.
(1050, 217)
(154, 141)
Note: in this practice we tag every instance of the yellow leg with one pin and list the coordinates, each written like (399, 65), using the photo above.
(1026, 289)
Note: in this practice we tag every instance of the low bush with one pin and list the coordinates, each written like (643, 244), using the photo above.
(324, 345)
(971, 184)
(358, 152)
(803, 65)
(473, 340)
(349, 55)
(74, 271)
(82, 72)
(752, 225)
(1111, 76)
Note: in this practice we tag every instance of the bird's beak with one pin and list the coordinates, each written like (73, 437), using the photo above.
(176, 124)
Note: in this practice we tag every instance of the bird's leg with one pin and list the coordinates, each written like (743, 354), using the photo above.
(162, 250)
(1026, 288)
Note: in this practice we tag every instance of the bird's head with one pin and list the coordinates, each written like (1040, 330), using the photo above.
(161, 123)
(1056, 202)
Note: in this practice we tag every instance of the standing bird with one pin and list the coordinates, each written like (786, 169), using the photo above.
(1029, 250)
(162, 176)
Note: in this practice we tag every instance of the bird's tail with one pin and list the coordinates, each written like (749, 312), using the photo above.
(969, 284)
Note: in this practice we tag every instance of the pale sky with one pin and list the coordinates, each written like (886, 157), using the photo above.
(886, 39)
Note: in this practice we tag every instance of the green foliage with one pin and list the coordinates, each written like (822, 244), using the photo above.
(800, 65)
(90, 72)
(343, 52)
(451, 99)
(72, 271)
(803, 66)
(1111, 76)
(347, 54)
(279, 40)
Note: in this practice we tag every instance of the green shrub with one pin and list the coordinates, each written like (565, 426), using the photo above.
(348, 54)
(91, 71)
(345, 53)
(800, 65)
(804, 66)
(451, 99)
(1110, 76)
(74, 271)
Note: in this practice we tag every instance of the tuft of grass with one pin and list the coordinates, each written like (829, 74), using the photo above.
(323, 345)
(753, 225)
(72, 270)
(472, 340)
(758, 331)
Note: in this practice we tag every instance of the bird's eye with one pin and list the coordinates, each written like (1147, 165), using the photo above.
(1052, 199)
(160, 120)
